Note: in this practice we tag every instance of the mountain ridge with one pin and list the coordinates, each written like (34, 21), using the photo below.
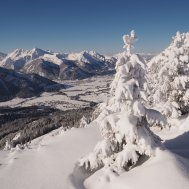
(66, 66)
(70, 66)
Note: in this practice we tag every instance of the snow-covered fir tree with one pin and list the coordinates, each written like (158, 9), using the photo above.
(169, 77)
(83, 122)
(123, 121)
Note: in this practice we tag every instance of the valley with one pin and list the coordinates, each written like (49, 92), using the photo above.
(33, 117)
(76, 94)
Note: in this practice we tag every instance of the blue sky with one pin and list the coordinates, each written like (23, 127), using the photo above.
(76, 25)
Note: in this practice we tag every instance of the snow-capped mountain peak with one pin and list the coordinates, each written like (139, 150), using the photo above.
(90, 57)
(22, 53)
(16, 54)
(19, 57)
(36, 52)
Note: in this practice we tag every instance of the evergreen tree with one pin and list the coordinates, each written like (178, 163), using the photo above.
(169, 77)
(123, 122)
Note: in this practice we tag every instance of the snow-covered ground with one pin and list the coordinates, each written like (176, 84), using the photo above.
(49, 161)
(81, 94)
(168, 169)
(165, 171)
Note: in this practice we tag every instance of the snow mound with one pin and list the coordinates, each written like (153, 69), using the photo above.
(163, 171)
(18, 58)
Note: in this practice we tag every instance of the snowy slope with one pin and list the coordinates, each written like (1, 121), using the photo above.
(165, 171)
(168, 169)
(18, 58)
(38, 61)
(91, 62)
(86, 57)
(43, 67)
(50, 160)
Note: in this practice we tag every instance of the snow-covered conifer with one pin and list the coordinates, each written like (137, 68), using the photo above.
(169, 77)
(83, 122)
(8, 145)
(123, 123)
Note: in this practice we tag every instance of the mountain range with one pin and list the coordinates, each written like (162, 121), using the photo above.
(61, 66)
(28, 73)
(58, 66)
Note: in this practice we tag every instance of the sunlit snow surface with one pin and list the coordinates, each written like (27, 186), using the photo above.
(168, 169)
(49, 161)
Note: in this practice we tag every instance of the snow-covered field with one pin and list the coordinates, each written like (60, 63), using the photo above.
(80, 94)
(49, 161)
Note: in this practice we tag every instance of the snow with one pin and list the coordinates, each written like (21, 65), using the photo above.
(129, 40)
(52, 58)
(89, 57)
(165, 171)
(128, 143)
(155, 118)
(48, 161)
(168, 77)
(26, 55)
(176, 138)
(16, 136)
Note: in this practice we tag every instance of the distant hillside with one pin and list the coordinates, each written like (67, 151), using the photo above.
(13, 84)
